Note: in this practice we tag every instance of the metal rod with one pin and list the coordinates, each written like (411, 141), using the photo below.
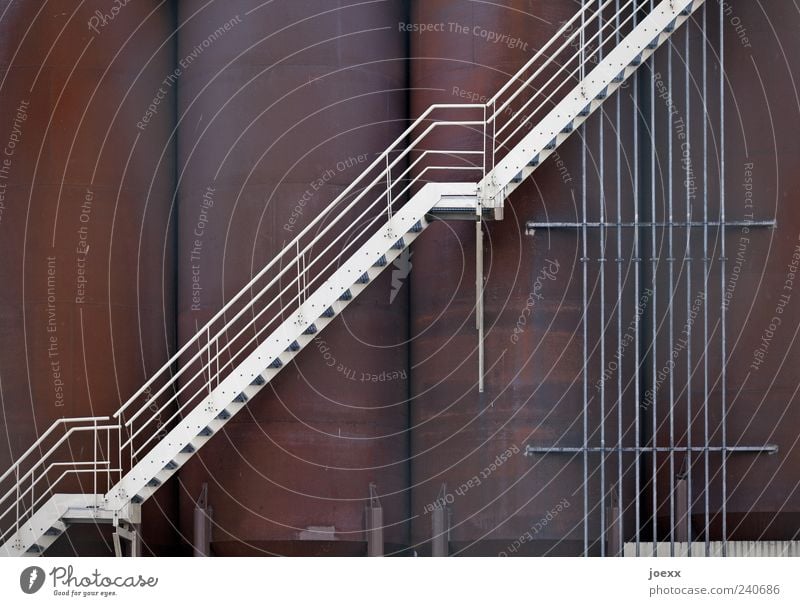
(602, 309)
(532, 225)
(654, 269)
(723, 280)
(768, 449)
(479, 297)
(689, 369)
(705, 287)
(620, 504)
(637, 286)
(671, 327)
(585, 326)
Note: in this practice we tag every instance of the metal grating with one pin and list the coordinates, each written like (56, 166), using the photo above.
(653, 276)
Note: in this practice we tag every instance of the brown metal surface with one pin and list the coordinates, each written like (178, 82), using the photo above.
(761, 156)
(502, 502)
(86, 304)
(278, 113)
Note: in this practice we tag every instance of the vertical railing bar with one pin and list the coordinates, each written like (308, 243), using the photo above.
(16, 484)
(671, 315)
(602, 307)
(705, 287)
(388, 190)
(485, 135)
(585, 325)
(94, 462)
(110, 461)
(723, 279)
(689, 263)
(637, 286)
(620, 504)
(654, 269)
(210, 377)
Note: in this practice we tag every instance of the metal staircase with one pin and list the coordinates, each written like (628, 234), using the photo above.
(104, 468)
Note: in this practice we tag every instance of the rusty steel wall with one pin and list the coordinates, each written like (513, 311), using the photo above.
(87, 296)
(757, 288)
(501, 501)
(232, 123)
(281, 105)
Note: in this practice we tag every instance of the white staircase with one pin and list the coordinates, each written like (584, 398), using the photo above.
(325, 267)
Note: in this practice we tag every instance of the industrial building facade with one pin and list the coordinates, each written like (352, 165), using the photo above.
(590, 351)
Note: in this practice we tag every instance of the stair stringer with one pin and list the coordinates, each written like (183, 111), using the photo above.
(174, 449)
(585, 98)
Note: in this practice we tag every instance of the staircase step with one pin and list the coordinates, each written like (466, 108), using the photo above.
(551, 145)
(399, 245)
(154, 483)
(417, 228)
(171, 466)
(345, 296)
(328, 313)
(259, 380)
(363, 279)
(188, 449)
(53, 532)
(224, 415)
(567, 129)
(518, 178)
(295, 346)
(311, 330)
(276, 363)
(206, 432)
(381, 262)
(534, 162)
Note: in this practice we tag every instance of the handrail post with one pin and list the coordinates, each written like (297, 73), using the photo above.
(108, 465)
(299, 275)
(94, 462)
(216, 356)
(16, 484)
(388, 190)
(485, 136)
(208, 349)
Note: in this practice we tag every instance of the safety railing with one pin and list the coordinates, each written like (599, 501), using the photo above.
(284, 284)
(417, 156)
(72, 455)
(558, 66)
(422, 153)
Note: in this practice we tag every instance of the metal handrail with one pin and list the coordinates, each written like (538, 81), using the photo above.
(287, 267)
(294, 254)
(208, 346)
(41, 439)
(585, 59)
(293, 244)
